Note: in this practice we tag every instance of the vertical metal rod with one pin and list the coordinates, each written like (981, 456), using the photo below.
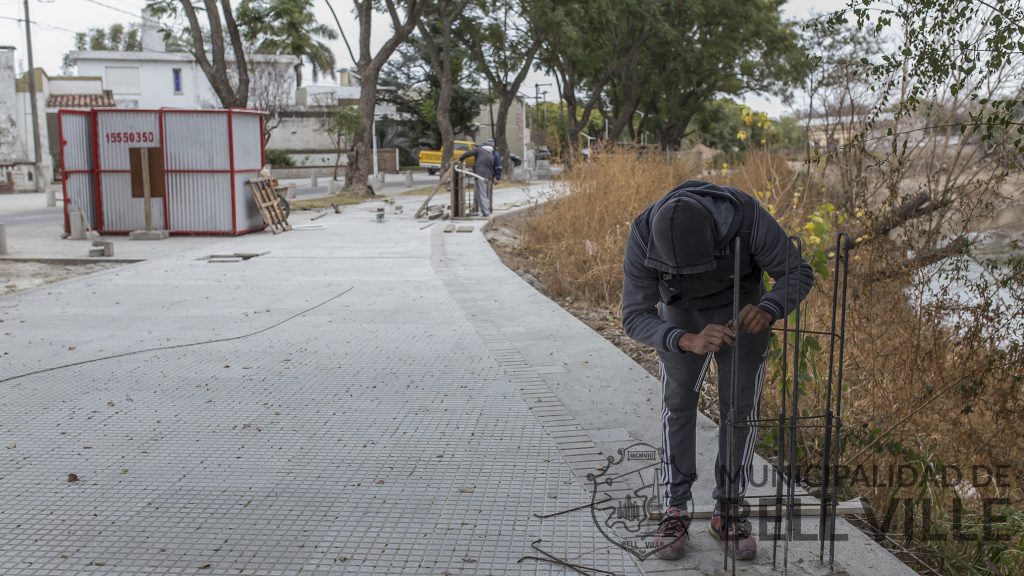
(794, 415)
(845, 239)
(733, 476)
(824, 497)
(780, 455)
(146, 191)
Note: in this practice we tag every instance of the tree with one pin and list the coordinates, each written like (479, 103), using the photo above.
(368, 66)
(289, 27)
(416, 95)
(503, 47)
(270, 90)
(946, 46)
(229, 80)
(709, 48)
(586, 44)
(917, 158)
(436, 29)
(117, 37)
(340, 124)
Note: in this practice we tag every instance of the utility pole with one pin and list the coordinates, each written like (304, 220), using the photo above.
(37, 173)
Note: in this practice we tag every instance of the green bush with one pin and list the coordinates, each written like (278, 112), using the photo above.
(279, 159)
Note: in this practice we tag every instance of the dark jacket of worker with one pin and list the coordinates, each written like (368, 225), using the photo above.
(667, 263)
(488, 162)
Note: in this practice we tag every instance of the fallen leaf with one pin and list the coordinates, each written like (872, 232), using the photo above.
(87, 447)
(72, 477)
(110, 403)
(71, 347)
(12, 445)
(204, 565)
(124, 471)
(247, 425)
(467, 489)
(469, 560)
(378, 481)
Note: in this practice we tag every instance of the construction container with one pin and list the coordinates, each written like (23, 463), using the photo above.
(208, 156)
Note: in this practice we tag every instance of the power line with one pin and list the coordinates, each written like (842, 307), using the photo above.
(123, 11)
(42, 24)
(114, 8)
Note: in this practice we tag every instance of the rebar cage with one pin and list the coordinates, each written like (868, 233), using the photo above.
(790, 419)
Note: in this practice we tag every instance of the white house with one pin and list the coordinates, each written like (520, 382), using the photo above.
(155, 78)
(151, 80)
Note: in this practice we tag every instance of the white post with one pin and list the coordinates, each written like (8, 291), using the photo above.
(375, 176)
(525, 133)
(145, 189)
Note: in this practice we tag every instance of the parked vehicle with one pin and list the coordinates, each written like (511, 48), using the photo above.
(431, 159)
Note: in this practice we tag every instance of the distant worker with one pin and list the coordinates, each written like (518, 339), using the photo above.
(488, 168)
(677, 296)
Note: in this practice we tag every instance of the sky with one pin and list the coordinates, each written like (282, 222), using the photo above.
(58, 20)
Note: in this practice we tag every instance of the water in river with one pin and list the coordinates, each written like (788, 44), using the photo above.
(953, 279)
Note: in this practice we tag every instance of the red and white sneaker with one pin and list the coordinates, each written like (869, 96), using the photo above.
(739, 536)
(673, 534)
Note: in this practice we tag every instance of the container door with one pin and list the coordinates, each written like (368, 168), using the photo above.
(77, 154)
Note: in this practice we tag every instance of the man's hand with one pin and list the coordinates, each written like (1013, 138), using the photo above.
(754, 320)
(712, 338)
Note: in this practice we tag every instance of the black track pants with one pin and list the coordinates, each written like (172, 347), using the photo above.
(682, 374)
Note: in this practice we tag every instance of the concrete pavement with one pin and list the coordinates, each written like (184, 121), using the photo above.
(363, 399)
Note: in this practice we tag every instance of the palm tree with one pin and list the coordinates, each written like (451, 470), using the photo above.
(289, 27)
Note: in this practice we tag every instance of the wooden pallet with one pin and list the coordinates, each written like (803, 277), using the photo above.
(269, 204)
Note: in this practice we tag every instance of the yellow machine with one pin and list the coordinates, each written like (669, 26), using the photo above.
(431, 159)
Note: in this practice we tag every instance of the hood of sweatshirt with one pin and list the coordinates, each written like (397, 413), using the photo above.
(690, 226)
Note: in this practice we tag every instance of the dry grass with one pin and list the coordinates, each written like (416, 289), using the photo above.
(342, 198)
(917, 391)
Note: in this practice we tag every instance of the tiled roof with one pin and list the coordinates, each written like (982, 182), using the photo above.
(105, 100)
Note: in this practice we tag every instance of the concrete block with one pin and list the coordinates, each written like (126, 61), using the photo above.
(408, 178)
(149, 235)
(106, 245)
(77, 222)
(96, 251)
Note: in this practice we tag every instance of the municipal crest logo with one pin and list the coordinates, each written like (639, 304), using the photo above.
(627, 498)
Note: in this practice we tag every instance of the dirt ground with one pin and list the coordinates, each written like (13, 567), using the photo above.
(15, 276)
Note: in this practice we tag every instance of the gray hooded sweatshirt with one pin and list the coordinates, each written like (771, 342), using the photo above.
(647, 266)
